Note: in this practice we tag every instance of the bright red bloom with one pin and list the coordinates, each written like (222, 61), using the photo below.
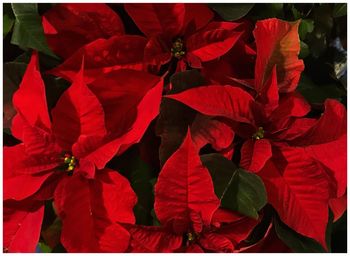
(187, 207)
(182, 31)
(89, 126)
(291, 153)
(103, 56)
(70, 26)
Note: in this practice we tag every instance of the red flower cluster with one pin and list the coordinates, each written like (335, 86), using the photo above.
(117, 82)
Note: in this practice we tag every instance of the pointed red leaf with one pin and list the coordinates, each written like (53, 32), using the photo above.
(30, 99)
(333, 155)
(216, 243)
(184, 186)
(147, 110)
(325, 129)
(69, 26)
(77, 112)
(299, 190)
(213, 41)
(216, 100)
(103, 55)
(154, 19)
(338, 206)
(90, 210)
(277, 44)
(153, 239)
(22, 225)
(255, 154)
(209, 130)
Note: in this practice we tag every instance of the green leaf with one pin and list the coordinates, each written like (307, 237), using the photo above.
(13, 74)
(306, 26)
(318, 93)
(267, 10)
(304, 50)
(340, 9)
(44, 247)
(237, 189)
(231, 11)
(297, 242)
(8, 19)
(28, 31)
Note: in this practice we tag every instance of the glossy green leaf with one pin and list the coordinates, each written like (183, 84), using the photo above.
(318, 93)
(267, 10)
(231, 11)
(237, 189)
(304, 50)
(306, 26)
(44, 248)
(8, 19)
(28, 31)
(13, 74)
(340, 9)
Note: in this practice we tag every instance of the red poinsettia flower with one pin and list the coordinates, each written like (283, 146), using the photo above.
(188, 209)
(103, 56)
(182, 31)
(278, 137)
(276, 43)
(85, 133)
(69, 26)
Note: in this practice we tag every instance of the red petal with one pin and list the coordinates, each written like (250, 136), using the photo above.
(238, 231)
(147, 110)
(196, 17)
(215, 242)
(269, 96)
(90, 210)
(216, 100)
(222, 215)
(184, 186)
(333, 155)
(77, 112)
(329, 127)
(155, 19)
(338, 206)
(299, 190)
(277, 44)
(22, 225)
(208, 130)
(213, 41)
(30, 99)
(157, 51)
(102, 56)
(292, 105)
(153, 239)
(70, 26)
(29, 185)
(255, 154)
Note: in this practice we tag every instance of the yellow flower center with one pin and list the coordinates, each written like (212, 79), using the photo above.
(259, 134)
(70, 162)
(192, 236)
(178, 49)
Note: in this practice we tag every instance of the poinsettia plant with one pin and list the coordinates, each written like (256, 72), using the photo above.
(174, 127)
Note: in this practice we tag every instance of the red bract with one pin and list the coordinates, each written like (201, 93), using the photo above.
(103, 56)
(286, 149)
(70, 26)
(277, 44)
(187, 207)
(85, 134)
(182, 31)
